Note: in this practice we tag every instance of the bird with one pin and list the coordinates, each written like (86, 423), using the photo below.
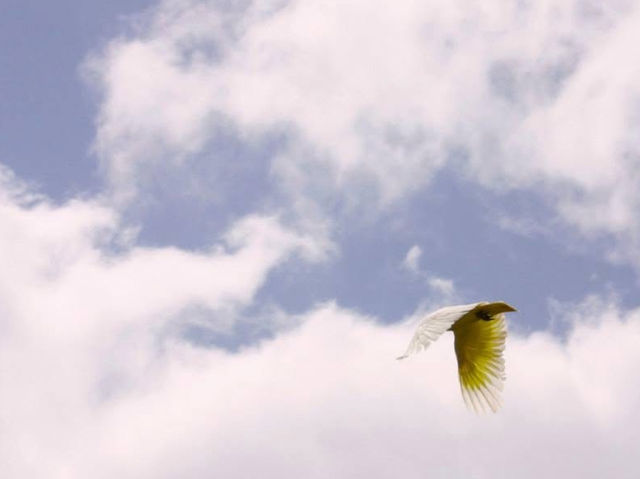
(479, 331)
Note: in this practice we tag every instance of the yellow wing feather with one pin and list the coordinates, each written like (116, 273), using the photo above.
(479, 346)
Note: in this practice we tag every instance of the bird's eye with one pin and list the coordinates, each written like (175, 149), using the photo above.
(483, 315)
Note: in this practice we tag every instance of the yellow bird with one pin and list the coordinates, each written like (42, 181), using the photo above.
(479, 331)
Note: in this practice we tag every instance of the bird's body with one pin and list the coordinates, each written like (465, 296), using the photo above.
(480, 331)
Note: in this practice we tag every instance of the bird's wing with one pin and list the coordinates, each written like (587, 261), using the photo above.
(433, 325)
(479, 346)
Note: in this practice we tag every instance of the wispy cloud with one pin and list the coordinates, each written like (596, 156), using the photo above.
(443, 288)
(412, 259)
(377, 100)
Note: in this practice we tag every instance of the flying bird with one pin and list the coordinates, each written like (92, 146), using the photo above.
(479, 331)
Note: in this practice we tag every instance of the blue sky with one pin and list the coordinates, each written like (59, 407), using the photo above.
(47, 110)
(198, 190)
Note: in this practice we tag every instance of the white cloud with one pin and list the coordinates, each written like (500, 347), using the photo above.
(324, 399)
(443, 287)
(540, 96)
(95, 381)
(83, 315)
(412, 259)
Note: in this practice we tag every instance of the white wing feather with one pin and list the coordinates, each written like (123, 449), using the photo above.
(432, 326)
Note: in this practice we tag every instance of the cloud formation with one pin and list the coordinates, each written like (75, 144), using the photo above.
(95, 385)
(412, 259)
(363, 104)
(538, 96)
(96, 382)
(85, 312)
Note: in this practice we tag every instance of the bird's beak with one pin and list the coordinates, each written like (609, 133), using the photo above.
(498, 307)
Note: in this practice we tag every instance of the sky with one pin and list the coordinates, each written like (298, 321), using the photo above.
(220, 222)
